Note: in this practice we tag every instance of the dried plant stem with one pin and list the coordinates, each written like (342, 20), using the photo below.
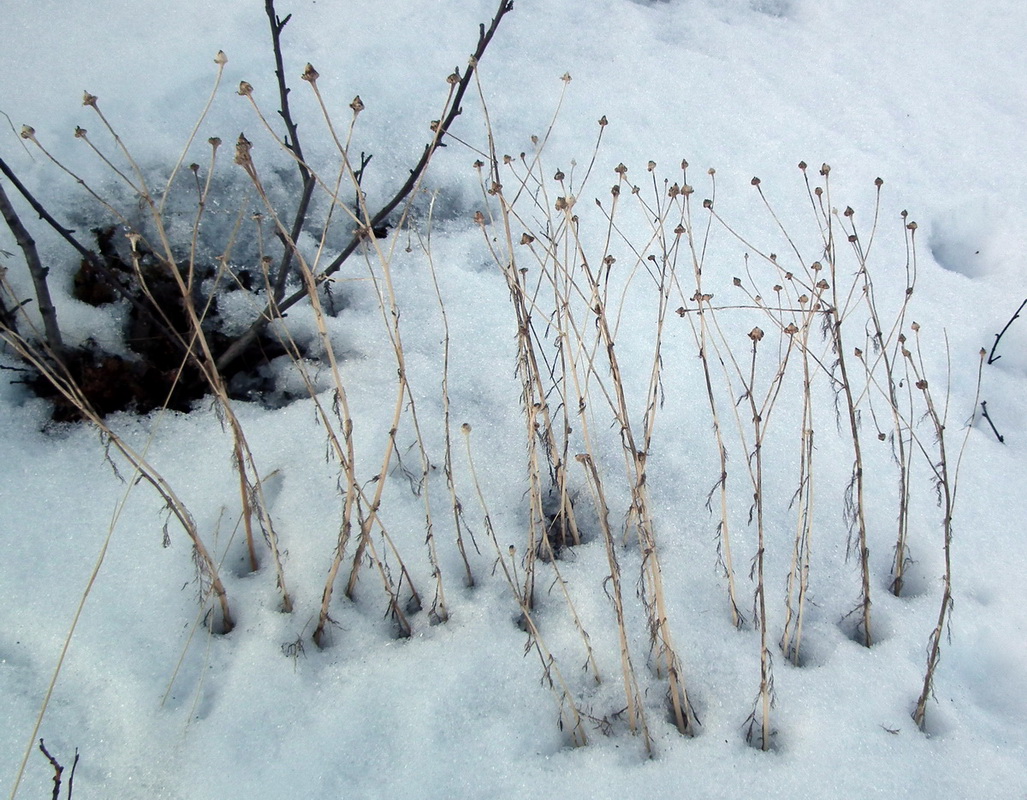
(639, 515)
(886, 353)
(946, 483)
(459, 525)
(798, 575)
(70, 391)
(704, 341)
(765, 697)
(856, 502)
(633, 695)
(571, 719)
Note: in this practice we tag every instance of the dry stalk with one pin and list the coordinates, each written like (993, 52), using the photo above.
(704, 341)
(886, 351)
(632, 693)
(946, 484)
(571, 719)
(837, 311)
(459, 524)
(639, 515)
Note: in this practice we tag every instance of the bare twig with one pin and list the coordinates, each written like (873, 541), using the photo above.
(36, 270)
(484, 38)
(292, 142)
(992, 358)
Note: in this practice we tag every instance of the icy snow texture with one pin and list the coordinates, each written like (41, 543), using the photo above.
(928, 96)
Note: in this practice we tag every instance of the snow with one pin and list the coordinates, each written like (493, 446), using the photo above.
(928, 97)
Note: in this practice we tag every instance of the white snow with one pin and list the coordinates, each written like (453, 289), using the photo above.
(929, 97)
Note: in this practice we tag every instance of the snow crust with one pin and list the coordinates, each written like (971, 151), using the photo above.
(930, 97)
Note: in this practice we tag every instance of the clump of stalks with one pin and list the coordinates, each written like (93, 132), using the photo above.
(572, 720)
(154, 240)
(885, 347)
(705, 330)
(49, 365)
(838, 307)
(582, 319)
(572, 280)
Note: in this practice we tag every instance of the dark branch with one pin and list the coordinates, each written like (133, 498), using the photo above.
(57, 770)
(94, 260)
(484, 38)
(36, 270)
(992, 358)
(292, 142)
(984, 413)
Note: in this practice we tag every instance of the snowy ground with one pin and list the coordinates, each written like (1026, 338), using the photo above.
(929, 97)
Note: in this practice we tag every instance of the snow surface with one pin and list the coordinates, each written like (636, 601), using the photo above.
(930, 97)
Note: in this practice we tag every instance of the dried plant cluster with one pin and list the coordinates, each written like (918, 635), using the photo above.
(796, 348)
